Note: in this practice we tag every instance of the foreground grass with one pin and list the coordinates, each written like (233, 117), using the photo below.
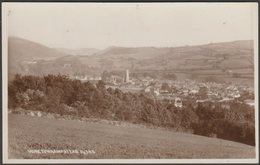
(110, 141)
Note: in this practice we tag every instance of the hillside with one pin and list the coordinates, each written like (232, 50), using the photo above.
(112, 141)
(22, 53)
(132, 52)
(227, 55)
(215, 59)
(79, 52)
(219, 56)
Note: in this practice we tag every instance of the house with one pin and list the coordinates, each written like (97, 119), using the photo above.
(250, 102)
(226, 99)
(185, 92)
(178, 102)
(147, 89)
(81, 77)
(225, 106)
(152, 90)
(193, 91)
(116, 79)
(202, 101)
(235, 95)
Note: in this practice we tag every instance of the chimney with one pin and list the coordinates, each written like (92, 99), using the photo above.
(127, 76)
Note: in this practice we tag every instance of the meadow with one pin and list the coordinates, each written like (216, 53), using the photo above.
(108, 141)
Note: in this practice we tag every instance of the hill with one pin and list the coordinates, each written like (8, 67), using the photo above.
(22, 53)
(132, 52)
(229, 55)
(236, 56)
(226, 55)
(227, 60)
(79, 52)
(112, 142)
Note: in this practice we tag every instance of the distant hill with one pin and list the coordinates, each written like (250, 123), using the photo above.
(226, 55)
(220, 56)
(22, 52)
(215, 59)
(132, 52)
(23, 49)
(79, 52)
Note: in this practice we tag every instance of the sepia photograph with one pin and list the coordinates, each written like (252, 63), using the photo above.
(130, 82)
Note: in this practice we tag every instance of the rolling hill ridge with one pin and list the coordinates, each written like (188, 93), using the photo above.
(27, 57)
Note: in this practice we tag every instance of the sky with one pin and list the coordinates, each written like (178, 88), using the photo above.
(100, 25)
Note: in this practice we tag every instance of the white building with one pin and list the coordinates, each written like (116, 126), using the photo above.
(178, 102)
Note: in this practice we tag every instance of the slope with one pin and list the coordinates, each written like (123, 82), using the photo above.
(113, 141)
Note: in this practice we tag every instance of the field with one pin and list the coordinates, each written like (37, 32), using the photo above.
(111, 141)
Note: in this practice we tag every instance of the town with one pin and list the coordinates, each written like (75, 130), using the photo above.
(177, 91)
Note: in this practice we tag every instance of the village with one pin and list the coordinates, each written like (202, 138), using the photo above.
(176, 91)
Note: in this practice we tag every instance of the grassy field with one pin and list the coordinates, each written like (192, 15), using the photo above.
(100, 140)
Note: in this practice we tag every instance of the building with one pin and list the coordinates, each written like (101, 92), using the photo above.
(177, 102)
(250, 102)
(151, 89)
(116, 79)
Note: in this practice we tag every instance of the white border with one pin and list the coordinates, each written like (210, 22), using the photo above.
(66, 161)
(255, 18)
(4, 82)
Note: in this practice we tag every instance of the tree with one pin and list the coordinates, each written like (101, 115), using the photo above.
(101, 85)
(165, 86)
(203, 91)
(105, 75)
